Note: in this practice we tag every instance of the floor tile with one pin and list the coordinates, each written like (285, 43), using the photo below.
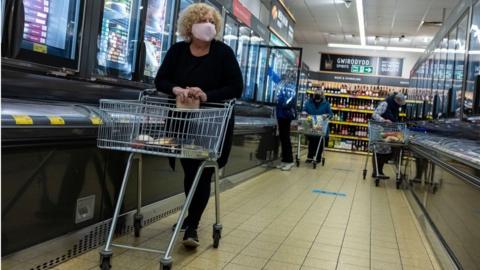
(274, 221)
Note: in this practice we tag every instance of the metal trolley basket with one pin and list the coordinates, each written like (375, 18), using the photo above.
(315, 126)
(384, 136)
(153, 125)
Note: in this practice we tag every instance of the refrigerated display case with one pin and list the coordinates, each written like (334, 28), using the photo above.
(303, 85)
(230, 35)
(253, 67)
(118, 39)
(2, 18)
(243, 49)
(51, 32)
(261, 72)
(158, 28)
(280, 60)
(183, 5)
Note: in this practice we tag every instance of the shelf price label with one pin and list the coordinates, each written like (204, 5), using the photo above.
(40, 48)
(96, 120)
(56, 120)
(23, 120)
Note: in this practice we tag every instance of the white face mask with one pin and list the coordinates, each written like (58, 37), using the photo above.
(204, 31)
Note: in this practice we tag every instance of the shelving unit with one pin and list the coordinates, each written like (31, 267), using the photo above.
(349, 123)
(349, 137)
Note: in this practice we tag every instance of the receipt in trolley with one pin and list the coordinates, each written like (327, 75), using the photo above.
(194, 151)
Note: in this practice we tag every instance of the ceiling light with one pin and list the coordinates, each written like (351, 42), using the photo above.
(405, 49)
(361, 21)
(381, 48)
(348, 3)
(355, 46)
(426, 39)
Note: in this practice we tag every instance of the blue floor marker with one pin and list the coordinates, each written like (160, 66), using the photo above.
(329, 192)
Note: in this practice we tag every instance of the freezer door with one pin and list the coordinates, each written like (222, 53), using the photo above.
(118, 39)
(51, 32)
(157, 38)
(281, 60)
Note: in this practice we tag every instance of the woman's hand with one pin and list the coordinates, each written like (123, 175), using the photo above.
(181, 93)
(197, 93)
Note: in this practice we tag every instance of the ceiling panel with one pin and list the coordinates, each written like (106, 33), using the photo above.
(320, 21)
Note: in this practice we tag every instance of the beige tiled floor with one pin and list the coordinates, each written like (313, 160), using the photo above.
(275, 221)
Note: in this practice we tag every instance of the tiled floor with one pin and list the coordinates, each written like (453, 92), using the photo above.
(277, 222)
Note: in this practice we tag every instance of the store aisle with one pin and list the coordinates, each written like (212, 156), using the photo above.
(282, 220)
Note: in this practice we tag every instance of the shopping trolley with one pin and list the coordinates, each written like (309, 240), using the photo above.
(316, 126)
(384, 135)
(153, 125)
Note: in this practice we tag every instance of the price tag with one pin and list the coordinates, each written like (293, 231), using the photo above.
(96, 120)
(23, 120)
(56, 120)
(39, 48)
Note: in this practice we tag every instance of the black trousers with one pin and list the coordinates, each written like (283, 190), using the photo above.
(313, 142)
(202, 193)
(420, 164)
(381, 160)
(285, 140)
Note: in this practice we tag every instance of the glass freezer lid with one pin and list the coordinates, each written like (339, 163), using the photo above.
(51, 32)
(118, 39)
(157, 34)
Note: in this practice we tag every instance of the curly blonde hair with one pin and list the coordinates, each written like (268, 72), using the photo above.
(194, 14)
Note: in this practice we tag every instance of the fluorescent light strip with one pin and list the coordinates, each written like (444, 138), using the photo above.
(361, 21)
(379, 48)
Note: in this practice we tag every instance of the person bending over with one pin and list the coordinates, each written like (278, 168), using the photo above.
(387, 111)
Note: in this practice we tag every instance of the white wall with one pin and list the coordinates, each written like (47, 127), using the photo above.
(311, 56)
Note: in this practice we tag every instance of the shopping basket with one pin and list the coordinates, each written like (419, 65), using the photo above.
(315, 126)
(153, 125)
(386, 135)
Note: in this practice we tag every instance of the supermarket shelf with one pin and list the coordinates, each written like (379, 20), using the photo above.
(349, 123)
(346, 151)
(349, 137)
(354, 97)
(351, 110)
(364, 97)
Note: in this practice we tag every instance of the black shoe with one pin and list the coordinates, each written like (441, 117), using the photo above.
(309, 160)
(190, 239)
(380, 176)
(183, 229)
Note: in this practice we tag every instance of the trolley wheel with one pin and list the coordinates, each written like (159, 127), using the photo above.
(377, 182)
(105, 262)
(323, 161)
(364, 174)
(314, 165)
(165, 266)
(137, 225)
(217, 234)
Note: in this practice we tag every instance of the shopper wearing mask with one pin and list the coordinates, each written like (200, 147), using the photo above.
(319, 106)
(388, 111)
(286, 112)
(196, 70)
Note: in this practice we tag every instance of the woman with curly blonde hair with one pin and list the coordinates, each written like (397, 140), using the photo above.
(198, 69)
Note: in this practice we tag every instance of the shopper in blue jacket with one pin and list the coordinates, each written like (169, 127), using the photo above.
(286, 112)
(319, 106)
